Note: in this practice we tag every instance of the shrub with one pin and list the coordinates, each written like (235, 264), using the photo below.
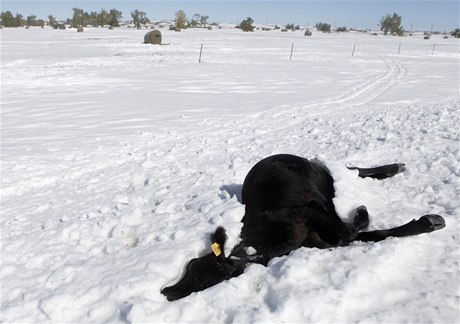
(325, 28)
(247, 25)
(392, 24)
(308, 33)
(139, 18)
(290, 26)
(456, 33)
(181, 20)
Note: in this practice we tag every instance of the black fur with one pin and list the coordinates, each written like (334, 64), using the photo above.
(289, 204)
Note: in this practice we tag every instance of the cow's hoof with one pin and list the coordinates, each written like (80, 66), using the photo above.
(361, 219)
(432, 222)
(401, 167)
(396, 168)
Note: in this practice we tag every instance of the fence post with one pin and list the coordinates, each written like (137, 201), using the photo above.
(292, 49)
(433, 48)
(201, 50)
(399, 49)
(353, 53)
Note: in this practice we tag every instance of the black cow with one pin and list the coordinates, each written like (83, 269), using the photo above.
(289, 204)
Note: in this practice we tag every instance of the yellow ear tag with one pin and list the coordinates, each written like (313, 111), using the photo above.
(216, 249)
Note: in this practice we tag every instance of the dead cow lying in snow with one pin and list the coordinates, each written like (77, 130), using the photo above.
(288, 202)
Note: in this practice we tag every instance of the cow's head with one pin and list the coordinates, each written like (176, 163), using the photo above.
(205, 271)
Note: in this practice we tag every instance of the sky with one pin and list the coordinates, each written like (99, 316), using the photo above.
(416, 15)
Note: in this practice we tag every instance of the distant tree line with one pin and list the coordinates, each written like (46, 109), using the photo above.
(82, 18)
(8, 20)
(79, 18)
(112, 17)
(389, 24)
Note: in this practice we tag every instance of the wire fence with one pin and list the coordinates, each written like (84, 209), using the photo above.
(297, 50)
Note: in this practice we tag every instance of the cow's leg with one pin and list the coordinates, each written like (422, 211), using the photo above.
(313, 240)
(425, 224)
(380, 172)
(296, 233)
(303, 236)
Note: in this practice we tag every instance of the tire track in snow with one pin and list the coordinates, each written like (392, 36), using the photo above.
(373, 88)
(360, 95)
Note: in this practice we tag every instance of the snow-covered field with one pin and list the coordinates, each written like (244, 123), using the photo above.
(119, 159)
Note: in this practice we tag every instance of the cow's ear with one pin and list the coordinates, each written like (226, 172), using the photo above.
(218, 241)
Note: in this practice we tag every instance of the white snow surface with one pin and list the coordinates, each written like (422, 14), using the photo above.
(119, 159)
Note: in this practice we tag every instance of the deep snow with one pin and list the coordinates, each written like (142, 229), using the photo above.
(119, 159)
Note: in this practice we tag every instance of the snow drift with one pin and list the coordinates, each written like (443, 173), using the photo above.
(119, 159)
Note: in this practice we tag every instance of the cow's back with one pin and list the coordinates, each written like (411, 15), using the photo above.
(286, 181)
